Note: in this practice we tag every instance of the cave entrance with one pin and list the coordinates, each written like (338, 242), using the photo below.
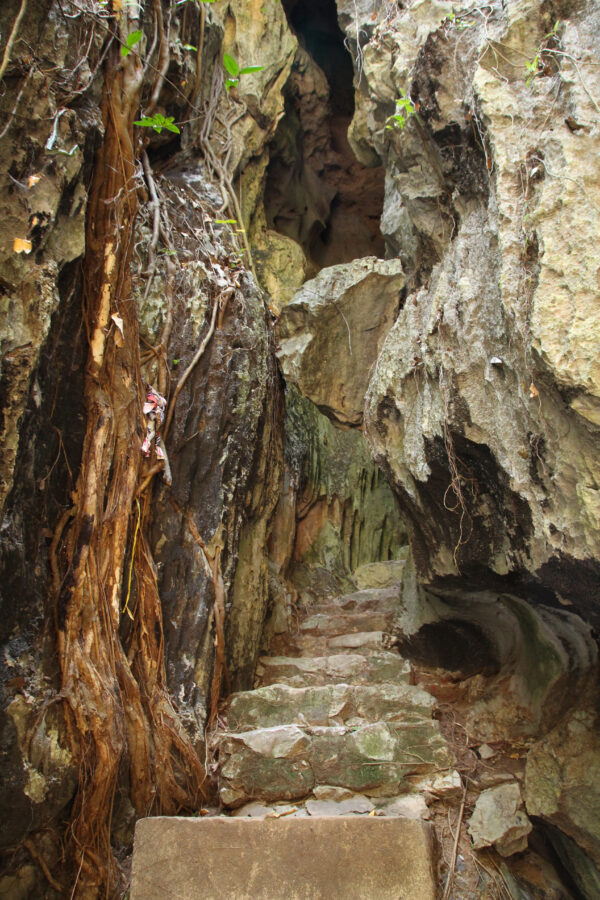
(317, 193)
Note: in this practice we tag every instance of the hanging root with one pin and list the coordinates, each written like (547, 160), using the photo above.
(465, 524)
(117, 707)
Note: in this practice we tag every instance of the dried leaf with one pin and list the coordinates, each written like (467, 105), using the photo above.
(533, 391)
(21, 245)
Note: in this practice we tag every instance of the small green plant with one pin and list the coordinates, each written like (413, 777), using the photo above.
(158, 122)
(458, 22)
(235, 72)
(538, 65)
(130, 42)
(183, 46)
(405, 108)
(533, 67)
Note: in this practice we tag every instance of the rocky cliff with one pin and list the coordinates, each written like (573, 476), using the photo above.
(363, 275)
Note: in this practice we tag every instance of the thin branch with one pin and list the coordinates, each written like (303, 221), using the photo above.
(39, 859)
(155, 207)
(574, 61)
(199, 51)
(11, 39)
(163, 57)
(197, 356)
(17, 101)
(461, 813)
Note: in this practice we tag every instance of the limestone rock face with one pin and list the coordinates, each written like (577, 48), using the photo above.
(336, 512)
(483, 404)
(499, 820)
(256, 34)
(533, 661)
(332, 331)
(227, 465)
(43, 201)
(562, 781)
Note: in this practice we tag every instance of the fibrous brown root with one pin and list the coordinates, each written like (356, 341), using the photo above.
(118, 707)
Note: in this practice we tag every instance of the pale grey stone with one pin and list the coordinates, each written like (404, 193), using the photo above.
(499, 820)
(412, 805)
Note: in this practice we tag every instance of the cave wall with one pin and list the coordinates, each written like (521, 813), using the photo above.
(488, 379)
(481, 403)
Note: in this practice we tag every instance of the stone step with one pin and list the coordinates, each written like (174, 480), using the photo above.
(299, 644)
(326, 623)
(327, 800)
(286, 762)
(335, 704)
(340, 858)
(381, 574)
(347, 668)
(368, 600)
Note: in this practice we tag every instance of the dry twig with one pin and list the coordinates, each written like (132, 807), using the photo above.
(452, 865)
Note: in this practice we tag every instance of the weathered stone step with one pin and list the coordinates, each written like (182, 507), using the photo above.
(340, 858)
(367, 600)
(363, 642)
(335, 704)
(299, 644)
(286, 762)
(348, 668)
(345, 623)
(327, 800)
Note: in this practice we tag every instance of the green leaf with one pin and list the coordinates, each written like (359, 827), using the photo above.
(247, 69)
(231, 82)
(158, 122)
(225, 221)
(231, 65)
(130, 42)
(170, 125)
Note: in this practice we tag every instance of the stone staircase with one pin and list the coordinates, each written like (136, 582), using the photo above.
(334, 726)
(323, 770)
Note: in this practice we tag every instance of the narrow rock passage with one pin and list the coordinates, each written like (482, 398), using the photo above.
(334, 727)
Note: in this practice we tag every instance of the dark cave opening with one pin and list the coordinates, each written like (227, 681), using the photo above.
(317, 193)
(316, 27)
(456, 645)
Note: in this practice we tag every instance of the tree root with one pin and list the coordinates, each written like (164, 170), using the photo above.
(117, 705)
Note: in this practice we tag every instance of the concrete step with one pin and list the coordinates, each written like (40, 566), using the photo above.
(335, 704)
(338, 858)
(286, 762)
(347, 668)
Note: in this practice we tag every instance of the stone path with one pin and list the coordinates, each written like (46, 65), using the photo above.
(334, 727)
